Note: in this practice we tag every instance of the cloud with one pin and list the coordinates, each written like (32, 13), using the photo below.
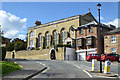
(12, 25)
(114, 22)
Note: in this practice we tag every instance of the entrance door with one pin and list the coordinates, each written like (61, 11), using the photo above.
(53, 54)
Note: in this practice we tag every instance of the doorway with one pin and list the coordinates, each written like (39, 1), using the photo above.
(53, 57)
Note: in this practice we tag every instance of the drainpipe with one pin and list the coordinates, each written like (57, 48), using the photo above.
(75, 41)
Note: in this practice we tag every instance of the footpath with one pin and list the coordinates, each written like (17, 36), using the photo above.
(29, 70)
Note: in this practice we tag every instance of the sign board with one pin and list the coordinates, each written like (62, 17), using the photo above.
(108, 63)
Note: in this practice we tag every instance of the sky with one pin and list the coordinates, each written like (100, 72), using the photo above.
(17, 17)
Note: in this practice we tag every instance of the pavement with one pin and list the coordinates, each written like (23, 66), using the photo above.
(29, 70)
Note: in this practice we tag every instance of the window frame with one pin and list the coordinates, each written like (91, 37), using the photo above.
(31, 34)
(47, 39)
(113, 50)
(55, 36)
(40, 40)
(113, 39)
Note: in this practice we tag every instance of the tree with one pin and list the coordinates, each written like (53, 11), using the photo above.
(10, 46)
(3, 53)
(19, 45)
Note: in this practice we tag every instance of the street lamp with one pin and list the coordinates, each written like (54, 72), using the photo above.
(99, 7)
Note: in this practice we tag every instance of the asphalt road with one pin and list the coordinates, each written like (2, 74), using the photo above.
(61, 69)
(65, 69)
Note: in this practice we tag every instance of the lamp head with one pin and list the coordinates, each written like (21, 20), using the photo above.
(99, 6)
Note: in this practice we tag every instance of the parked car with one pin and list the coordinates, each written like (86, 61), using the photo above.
(93, 56)
(110, 57)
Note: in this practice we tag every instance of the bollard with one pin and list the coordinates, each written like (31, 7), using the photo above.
(107, 67)
(93, 64)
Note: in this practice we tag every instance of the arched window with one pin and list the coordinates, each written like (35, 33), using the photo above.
(40, 40)
(31, 34)
(63, 37)
(47, 39)
(31, 43)
(55, 35)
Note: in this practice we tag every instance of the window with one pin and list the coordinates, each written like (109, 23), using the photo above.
(80, 31)
(63, 33)
(31, 43)
(113, 50)
(31, 34)
(55, 35)
(72, 32)
(90, 29)
(89, 41)
(47, 39)
(113, 39)
(79, 42)
(40, 40)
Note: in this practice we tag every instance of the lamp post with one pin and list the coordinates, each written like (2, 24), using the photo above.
(99, 7)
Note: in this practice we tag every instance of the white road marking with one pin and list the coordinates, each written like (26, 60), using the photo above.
(87, 73)
(77, 66)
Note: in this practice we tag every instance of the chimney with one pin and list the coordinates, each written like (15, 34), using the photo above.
(37, 23)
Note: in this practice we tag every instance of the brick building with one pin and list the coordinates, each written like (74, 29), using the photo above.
(88, 39)
(112, 41)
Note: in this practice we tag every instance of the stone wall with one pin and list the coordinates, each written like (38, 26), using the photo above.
(43, 54)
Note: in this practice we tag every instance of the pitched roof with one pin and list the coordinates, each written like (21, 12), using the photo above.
(115, 31)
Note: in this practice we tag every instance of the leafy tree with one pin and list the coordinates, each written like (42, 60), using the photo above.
(10, 46)
(19, 45)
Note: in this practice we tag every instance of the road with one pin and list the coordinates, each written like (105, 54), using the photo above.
(61, 69)
(66, 69)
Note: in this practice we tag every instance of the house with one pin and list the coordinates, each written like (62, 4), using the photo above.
(47, 36)
(112, 41)
(88, 39)
(5, 41)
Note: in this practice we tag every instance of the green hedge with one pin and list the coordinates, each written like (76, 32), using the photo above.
(37, 48)
(63, 45)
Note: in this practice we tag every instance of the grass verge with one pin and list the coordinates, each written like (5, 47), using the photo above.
(8, 67)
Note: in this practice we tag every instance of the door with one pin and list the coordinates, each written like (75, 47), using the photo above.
(53, 57)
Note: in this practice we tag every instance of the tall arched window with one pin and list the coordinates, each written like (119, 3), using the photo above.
(31, 34)
(40, 40)
(63, 35)
(55, 35)
(47, 39)
(31, 43)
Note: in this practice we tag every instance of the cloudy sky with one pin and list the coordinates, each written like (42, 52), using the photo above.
(17, 17)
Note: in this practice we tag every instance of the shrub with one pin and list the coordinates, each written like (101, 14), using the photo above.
(37, 48)
(3, 53)
(10, 46)
(59, 45)
(68, 45)
(47, 47)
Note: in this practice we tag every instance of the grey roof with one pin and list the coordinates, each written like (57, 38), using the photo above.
(94, 23)
(115, 31)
